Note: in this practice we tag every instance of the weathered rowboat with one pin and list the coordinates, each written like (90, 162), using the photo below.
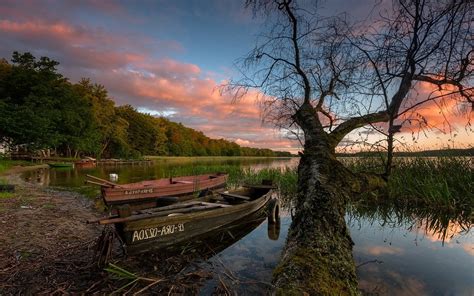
(169, 225)
(85, 163)
(211, 243)
(149, 191)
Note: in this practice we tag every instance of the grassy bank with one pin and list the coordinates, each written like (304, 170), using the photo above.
(6, 164)
(435, 182)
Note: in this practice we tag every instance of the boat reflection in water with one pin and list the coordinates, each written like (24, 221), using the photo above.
(205, 246)
(195, 266)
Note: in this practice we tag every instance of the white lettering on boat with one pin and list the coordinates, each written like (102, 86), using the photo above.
(138, 191)
(150, 233)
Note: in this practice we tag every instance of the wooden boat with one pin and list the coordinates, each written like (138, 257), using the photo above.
(148, 192)
(86, 163)
(61, 164)
(169, 225)
(211, 243)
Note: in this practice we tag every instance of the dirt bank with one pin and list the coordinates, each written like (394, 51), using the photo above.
(43, 237)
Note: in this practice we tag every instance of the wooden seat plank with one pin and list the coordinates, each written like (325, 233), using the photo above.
(235, 196)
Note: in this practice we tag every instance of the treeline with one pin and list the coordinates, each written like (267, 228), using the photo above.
(41, 110)
(424, 153)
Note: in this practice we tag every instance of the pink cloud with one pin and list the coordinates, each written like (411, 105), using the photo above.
(382, 250)
(441, 113)
(133, 76)
(445, 235)
(469, 248)
(168, 66)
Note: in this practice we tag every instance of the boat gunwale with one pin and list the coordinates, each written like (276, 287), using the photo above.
(150, 183)
(211, 212)
(165, 188)
(119, 195)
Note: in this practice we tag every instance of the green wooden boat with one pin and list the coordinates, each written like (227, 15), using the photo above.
(61, 164)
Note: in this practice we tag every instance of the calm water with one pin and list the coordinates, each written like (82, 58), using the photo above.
(398, 252)
(395, 256)
(162, 168)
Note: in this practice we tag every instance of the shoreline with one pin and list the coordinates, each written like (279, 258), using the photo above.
(18, 169)
(43, 236)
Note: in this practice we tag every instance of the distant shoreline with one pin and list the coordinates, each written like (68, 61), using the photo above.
(151, 157)
(424, 153)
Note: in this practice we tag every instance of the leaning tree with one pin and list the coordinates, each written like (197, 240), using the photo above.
(327, 77)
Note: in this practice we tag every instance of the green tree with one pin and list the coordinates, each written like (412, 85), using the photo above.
(145, 135)
(108, 128)
(39, 108)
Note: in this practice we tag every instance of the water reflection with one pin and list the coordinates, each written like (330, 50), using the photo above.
(412, 251)
(214, 255)
(397, 252)
(161, 168)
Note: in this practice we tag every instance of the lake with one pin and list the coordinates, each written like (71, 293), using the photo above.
(397, 251)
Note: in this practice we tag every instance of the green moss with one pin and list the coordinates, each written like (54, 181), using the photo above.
(319, 275)
(48, 206)
(6, 195)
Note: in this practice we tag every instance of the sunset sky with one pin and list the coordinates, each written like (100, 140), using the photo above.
(169, 57)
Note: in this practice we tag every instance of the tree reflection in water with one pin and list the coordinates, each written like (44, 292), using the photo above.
(412, 250)
(437, 224)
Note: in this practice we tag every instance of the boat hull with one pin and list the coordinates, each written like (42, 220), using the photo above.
(149, 190)
(160, 232)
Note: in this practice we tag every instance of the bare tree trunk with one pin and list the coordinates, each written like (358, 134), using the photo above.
(102, 150)
(389, 164)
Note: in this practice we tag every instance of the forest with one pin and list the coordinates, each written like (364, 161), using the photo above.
(40, 110)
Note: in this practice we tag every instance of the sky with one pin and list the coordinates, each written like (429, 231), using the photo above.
(167, 58)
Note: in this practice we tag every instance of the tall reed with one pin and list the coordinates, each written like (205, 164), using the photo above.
(433, 181)
(445, 181)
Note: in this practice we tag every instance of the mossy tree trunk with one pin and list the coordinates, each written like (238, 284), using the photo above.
(318, 255)
(317, 258)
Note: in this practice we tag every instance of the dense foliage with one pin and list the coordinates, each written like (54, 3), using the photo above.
(40, 110)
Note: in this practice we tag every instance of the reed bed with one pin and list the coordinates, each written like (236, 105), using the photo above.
(444, 181)
(435, 182)
(439, 182)
(6, 164)
(285, 178)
